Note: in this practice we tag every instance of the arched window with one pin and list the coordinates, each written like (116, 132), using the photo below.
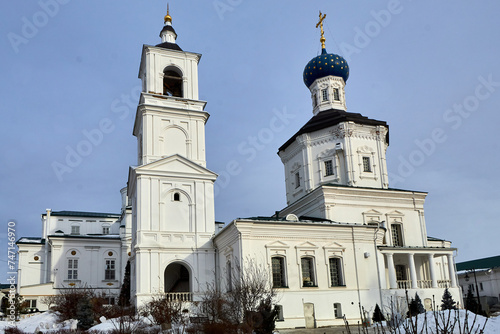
(278, 267)
(172, 83)
(336, 276)
(177, 197)
(308, 277)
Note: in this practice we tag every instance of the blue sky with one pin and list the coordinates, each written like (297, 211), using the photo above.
(430, 69)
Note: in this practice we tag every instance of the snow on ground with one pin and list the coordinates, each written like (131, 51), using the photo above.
(475, 323)
(47, 321)
(43, 322)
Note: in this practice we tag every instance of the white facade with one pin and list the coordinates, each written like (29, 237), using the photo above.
(482, 277)
(76, 250)
(345, 239)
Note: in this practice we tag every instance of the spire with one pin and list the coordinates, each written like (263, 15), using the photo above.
(168, 34)
(168, 18)
(320, 24)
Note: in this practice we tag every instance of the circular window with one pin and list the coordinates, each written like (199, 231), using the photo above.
(129, 253)
(73, 252)
(36, 258)
(110, 253)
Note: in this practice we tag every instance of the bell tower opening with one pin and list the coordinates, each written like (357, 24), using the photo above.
(172, 83)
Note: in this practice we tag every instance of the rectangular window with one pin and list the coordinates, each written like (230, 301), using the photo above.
(75, 230)
(336, 95)
(278, 266)
(105, 230)
(297, 180)
(397, 239)
(337, 310)
(481, 286)
(109, 272)
(366, 165)
(72, 269)
(324, 94)
(335, 272)
(328, 168)
(31, 303)
(315, 103)
(307, 265)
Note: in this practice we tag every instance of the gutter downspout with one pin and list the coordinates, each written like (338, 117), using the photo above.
(356, 268)
(46, 250)
(378, 267)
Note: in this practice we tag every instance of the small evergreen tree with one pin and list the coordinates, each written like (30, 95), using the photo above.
(84, 314)
(124, 299)
(378, 316)
(471, 302)
(447, 302)
(415, 307)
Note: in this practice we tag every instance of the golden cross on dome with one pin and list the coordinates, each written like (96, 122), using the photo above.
(168, 18)
(320, 24)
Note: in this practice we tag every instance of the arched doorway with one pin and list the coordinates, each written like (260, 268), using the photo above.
(177, 282)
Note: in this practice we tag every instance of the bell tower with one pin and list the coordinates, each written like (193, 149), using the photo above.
(171, 190)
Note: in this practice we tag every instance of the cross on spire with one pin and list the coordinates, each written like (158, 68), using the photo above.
(320, 24)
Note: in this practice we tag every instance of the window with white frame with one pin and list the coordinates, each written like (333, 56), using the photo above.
(367, 168)
(278, 269)
(397, 238)
(336, 95)
(324, 94)
(109, 272)
(336, 278)
(297, 180)
(307, 267)
(315, 103)
(75, 230)
(328, 167)
(105, 230)
(72, 269)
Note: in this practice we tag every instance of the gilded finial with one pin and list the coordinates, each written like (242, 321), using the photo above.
(320, 24)
(168, 18)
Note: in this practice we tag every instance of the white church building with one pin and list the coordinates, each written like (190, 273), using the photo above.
(345, 238)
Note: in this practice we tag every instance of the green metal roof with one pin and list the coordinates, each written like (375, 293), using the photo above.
(486, 263)
(83, 214)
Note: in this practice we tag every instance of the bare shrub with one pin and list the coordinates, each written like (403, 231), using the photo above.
(247, 306)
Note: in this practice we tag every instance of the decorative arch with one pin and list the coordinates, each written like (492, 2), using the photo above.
(172, 81)
(171, 193)
(176, 141)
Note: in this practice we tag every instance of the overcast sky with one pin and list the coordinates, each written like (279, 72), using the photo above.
(428, 68)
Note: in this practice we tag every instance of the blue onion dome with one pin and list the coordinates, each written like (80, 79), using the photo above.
(324, 65)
